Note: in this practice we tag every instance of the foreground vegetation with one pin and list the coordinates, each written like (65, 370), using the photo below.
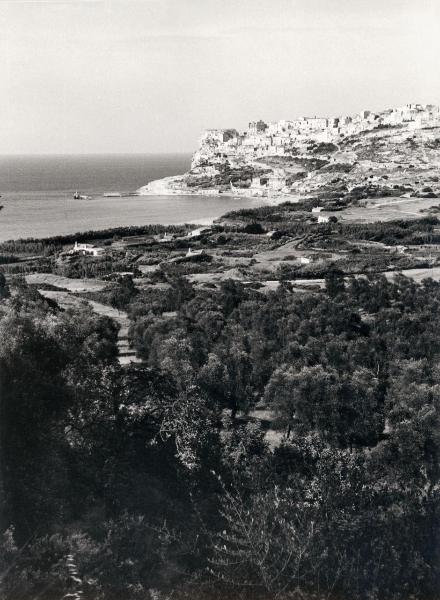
(161, 480)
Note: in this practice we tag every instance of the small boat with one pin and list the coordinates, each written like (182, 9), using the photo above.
(78, 196)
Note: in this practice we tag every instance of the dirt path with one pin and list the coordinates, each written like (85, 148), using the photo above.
(127, 353)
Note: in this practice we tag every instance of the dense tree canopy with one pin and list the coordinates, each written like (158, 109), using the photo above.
(159, 478)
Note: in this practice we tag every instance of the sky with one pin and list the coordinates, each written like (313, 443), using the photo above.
(149, 75)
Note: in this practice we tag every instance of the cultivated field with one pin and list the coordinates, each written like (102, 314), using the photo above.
(387, 209)
(73, 285)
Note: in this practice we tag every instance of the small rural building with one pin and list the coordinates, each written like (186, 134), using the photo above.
(167, 237)
(87, 249)
(192, 253)
(194, 233)
(323, 219)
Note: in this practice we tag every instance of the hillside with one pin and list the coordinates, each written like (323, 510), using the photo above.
(338, 161)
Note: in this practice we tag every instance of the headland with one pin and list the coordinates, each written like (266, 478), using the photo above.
(315, 156)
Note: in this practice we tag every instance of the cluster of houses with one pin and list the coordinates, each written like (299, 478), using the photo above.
(277, 138)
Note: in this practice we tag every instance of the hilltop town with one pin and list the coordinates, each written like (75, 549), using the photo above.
(314, 155)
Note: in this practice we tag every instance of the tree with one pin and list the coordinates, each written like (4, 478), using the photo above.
(343, 409)
(123, 293)
(334, 282)
(413, 418)
(269, 544)
(360, 415)
(213, 379)
(191, 424)
(255, 228)
(32, 401)
(304, 400)
(4, 289)
(48, 360)
(174, 357)
(239, 372)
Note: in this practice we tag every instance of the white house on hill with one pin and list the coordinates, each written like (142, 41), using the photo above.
(87, 249)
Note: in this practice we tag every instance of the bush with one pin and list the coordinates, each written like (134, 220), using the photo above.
(254, 228)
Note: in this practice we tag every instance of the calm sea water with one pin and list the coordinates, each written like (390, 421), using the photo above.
(37, 194)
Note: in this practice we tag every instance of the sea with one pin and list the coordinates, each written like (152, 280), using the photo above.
(37, 194)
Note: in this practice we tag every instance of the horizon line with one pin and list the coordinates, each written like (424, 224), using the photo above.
(2, 154)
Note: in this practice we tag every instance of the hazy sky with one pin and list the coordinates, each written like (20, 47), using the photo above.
(149, 75)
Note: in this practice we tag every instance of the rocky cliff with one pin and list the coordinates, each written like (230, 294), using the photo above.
(392, 153)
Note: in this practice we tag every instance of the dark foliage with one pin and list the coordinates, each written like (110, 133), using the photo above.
(158, 479)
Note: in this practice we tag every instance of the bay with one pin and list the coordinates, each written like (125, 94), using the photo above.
(37, 194)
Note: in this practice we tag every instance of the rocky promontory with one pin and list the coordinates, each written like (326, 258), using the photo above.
(394, 152)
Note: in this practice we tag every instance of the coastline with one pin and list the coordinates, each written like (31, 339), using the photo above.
(172, 186)
(104, 233)
(39, 217)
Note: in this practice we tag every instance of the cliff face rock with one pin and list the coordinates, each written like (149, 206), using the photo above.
(393, 152)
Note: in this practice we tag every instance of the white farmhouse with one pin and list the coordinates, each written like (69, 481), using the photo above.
(87, 249)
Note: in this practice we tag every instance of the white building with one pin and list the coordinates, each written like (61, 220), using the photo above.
(191, 253)
(167, 237)
(87, 249)
(194, 233)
